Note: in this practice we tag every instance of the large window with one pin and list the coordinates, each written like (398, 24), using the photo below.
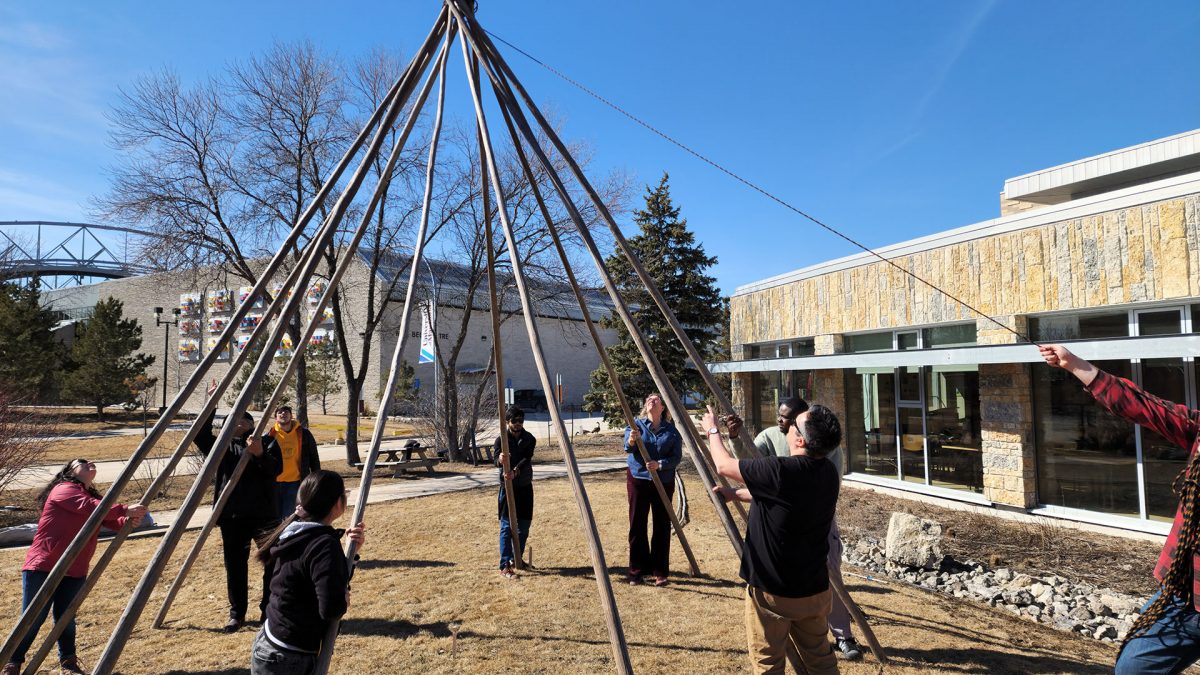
(1091, 459)
(917, 424)
(769, 389)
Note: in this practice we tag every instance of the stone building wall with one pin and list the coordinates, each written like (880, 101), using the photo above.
(567, 345)
(1143, 253)
(1006, 420)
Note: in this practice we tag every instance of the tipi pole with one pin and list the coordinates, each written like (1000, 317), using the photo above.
(141, 594)
(652, 364)
(92, 524)
(364, 486)
(350, 250)
(616, 633)
(618, 390)
(497, 344)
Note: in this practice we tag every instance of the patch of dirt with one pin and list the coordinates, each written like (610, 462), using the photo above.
(1039, 549)
(427, 598)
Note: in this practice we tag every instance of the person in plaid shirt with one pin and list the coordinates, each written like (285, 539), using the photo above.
(1166, 638)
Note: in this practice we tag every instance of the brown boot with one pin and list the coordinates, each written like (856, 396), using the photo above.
(71, 665)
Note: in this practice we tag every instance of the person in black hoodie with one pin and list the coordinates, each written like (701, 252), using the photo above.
(520, 457)
(310, 579)
(250, 511)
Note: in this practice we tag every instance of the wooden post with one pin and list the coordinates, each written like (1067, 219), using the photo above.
(497, 348)
(137, 602)
(364, 486)
(616, 633)
(348, 254)
(618, 390)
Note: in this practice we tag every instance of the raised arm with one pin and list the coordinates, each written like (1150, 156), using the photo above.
(726, 465)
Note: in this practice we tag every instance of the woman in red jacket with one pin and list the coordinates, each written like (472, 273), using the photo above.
(66, 504)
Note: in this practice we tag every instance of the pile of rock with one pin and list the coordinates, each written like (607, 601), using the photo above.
(912, 554)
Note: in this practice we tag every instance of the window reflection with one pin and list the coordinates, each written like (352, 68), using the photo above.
(871, 436)
(952, 425)
(1086, 455)
(1162, 460)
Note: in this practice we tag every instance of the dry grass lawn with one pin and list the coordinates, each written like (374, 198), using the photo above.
(427, 598)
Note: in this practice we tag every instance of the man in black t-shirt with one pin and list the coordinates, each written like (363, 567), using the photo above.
(792, 503)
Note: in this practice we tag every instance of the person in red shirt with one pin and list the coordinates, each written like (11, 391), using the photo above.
(66, 502)
(1166, 637)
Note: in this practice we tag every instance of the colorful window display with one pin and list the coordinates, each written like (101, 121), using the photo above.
(223, 355)
(189, 326)
(189, 349)
(220, 301)
(316, 290)
(244, 293)
(249, 322)
(189, 304)
(241, 341)
(321, 337)
(216, 324)
(276, 289)
(327, 315)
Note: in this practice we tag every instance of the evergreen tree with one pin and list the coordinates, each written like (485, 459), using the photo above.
(324, 373)
(104, 354)
(678, 266)
(30, 359)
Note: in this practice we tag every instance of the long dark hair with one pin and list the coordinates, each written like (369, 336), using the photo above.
(319, 494)
(66, 475)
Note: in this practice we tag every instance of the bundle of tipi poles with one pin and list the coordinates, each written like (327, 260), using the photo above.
(401, 109)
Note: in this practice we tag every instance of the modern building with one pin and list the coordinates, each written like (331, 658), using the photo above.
(1101, 253)
(208, 298)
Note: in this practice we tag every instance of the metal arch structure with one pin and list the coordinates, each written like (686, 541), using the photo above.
(76, 253)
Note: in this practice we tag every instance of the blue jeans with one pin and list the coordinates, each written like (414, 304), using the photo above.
(506, 550)
(1169, 646)
(31, 581)
(285, 498)
(268, 659)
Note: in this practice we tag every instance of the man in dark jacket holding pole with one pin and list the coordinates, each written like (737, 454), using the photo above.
(250, 512)
(520, 458)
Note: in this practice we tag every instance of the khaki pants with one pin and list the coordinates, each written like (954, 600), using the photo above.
(770, 619)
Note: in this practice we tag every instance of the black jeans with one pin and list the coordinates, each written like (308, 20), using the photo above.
(651, 556)
(236, 535)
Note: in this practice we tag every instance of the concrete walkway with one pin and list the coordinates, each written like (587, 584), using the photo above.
(392, 489)
(107, 471)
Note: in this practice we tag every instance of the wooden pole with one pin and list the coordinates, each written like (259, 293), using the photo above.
(140, 597)
(497, 344)
(618, 390)
(348, 254)
(364, 486)
(493, 61)
(92, 525)
(616, 633)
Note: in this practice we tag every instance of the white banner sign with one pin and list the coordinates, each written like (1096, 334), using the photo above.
(428, 352)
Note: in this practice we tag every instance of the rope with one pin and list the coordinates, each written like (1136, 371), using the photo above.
(750, 184)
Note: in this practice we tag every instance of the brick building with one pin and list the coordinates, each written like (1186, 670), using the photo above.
(1102, 253)
(206, 300)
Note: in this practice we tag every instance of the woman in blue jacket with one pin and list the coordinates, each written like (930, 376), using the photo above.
(665, 447)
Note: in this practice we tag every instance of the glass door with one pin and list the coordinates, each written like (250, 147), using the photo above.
(911, 448)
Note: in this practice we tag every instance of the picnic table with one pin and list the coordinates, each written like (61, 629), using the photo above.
(400, 459)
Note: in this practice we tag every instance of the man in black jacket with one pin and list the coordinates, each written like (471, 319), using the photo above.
(520, 458)
(250, 511)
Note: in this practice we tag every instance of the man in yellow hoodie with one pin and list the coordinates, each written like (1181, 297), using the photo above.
(298, 449)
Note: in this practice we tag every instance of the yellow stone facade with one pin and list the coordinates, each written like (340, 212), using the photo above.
(1138, 254)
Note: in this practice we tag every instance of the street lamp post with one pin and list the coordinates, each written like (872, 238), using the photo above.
(159, 321)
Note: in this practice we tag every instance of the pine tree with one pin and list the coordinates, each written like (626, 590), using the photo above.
(678, 265)
(324, 373)
(30, 359)
(104, 352)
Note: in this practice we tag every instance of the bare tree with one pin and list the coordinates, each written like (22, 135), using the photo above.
(23, 437)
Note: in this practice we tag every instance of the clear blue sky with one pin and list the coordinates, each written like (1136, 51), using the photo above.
(889, 120)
